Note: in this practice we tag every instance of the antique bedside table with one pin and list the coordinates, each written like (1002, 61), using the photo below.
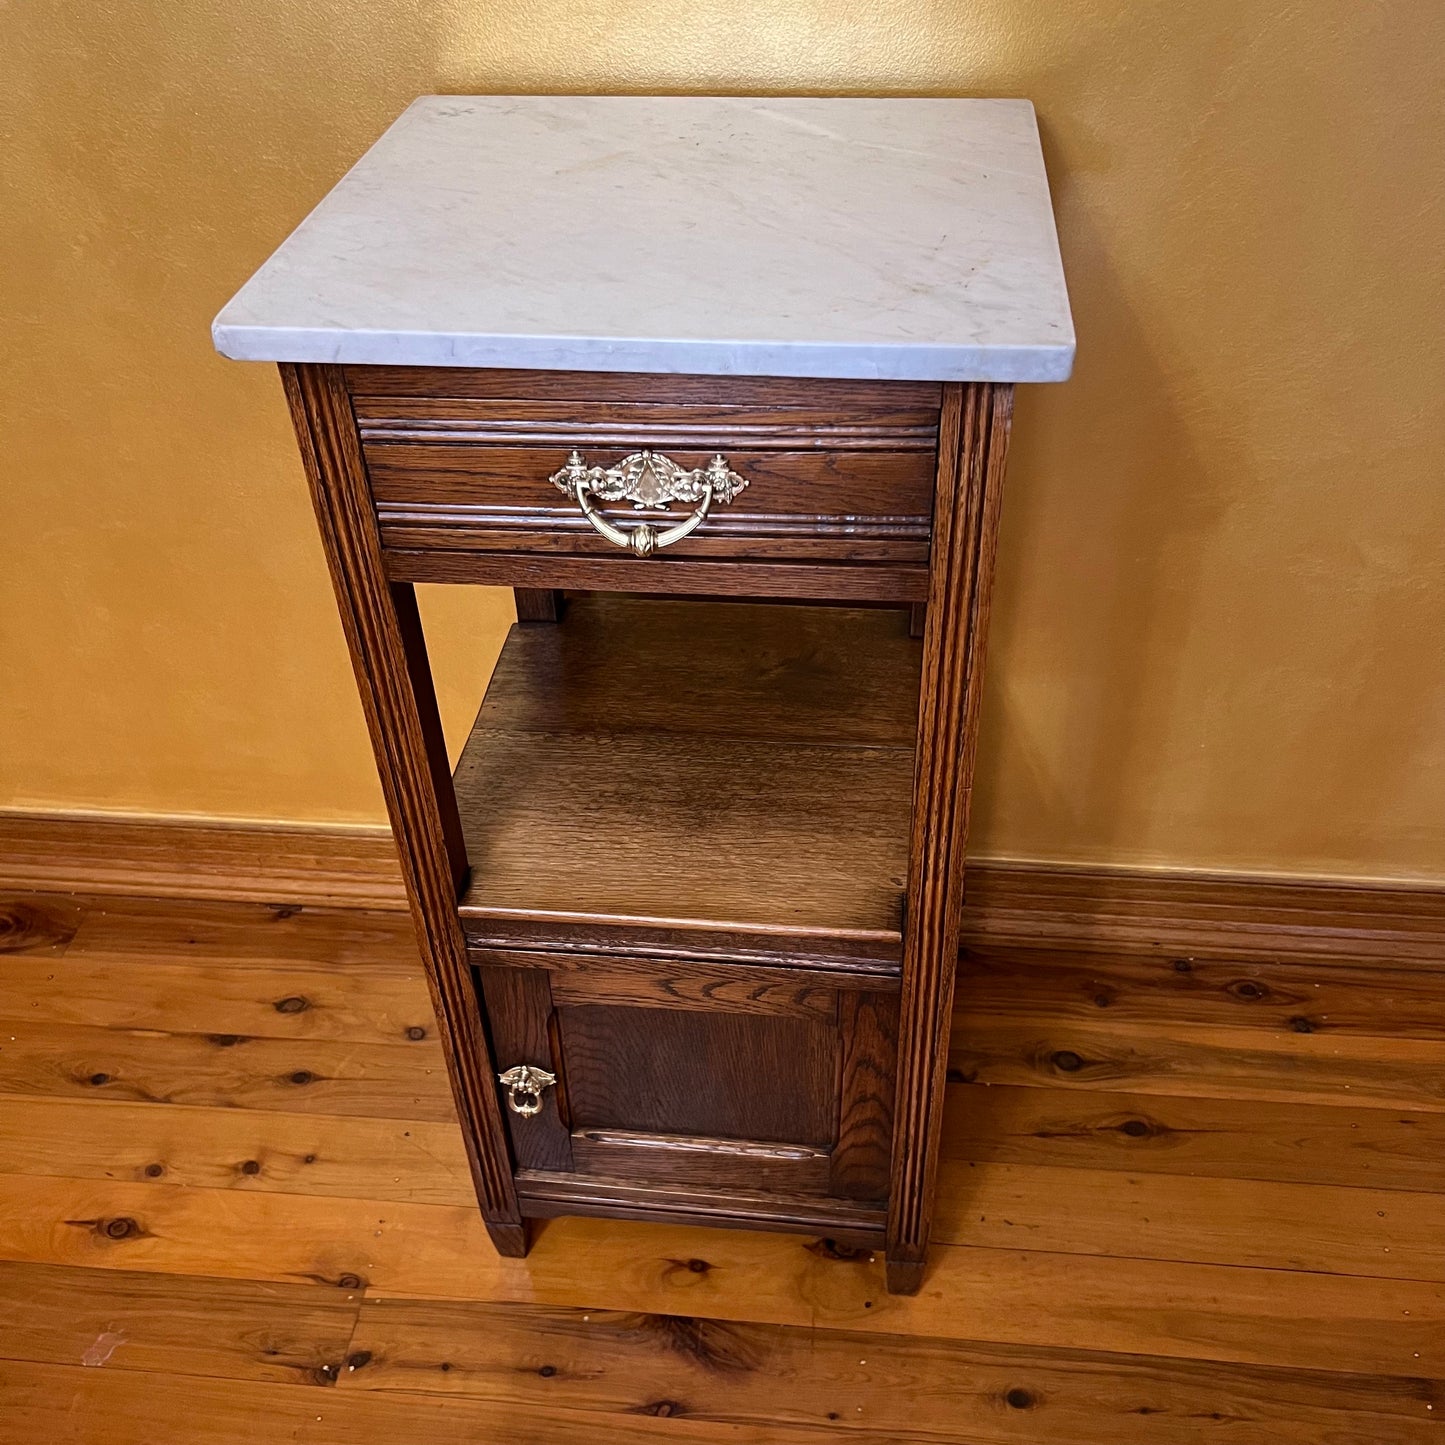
(689, 903)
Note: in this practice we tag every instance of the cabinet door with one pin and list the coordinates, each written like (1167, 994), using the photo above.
(678, 1080)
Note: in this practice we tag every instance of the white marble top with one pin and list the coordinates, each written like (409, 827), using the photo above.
(837, 237)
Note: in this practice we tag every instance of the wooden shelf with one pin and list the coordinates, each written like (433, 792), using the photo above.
(700, 778)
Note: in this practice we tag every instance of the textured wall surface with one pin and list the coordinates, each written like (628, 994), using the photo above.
(1222, 596)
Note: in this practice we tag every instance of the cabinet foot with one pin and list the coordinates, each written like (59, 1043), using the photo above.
(511, 1240)
(904, 1276)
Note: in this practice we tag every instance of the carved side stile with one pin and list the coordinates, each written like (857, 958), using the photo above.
(388, 656)
(973, 442)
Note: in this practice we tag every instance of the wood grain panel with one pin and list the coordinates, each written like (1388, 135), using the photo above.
(630, 665)
(727, 1075)
(659, 576)
(801, 845)
(724, 1200)
(771, 392)
(867, 1070)
(686, 984)
(882, 422)
(700, 1162)
(839, 504)
(539, 605)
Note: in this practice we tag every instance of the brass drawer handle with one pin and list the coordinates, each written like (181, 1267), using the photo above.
(647, 479)
(524, 1086)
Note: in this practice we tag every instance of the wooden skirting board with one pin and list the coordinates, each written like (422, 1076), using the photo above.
(1182, 917)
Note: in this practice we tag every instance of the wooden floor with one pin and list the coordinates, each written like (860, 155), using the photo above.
(234, 1207)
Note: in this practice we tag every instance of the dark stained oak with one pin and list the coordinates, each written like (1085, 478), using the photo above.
(432, 390)
(972, 446)
(655, 787)
(836, 675)
(703, 769)
(700, 1161)
(665, 575)
(687, 984)
(383, 635)
(669, 1199)
(521, 1024)
(613, 797)
(782, 846)
(839, 477)
(686, 1072)
(868, 1028)
(538, 604)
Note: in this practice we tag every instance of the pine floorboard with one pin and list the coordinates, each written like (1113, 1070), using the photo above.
(234, 1204)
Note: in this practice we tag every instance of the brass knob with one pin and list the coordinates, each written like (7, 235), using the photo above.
(524, 1086)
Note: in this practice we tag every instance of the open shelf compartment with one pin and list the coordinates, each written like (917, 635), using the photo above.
(703, 779)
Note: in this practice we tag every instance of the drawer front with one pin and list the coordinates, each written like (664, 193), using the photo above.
(834, 472)
(694, 1079)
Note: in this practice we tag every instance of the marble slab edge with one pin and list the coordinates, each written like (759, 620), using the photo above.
(825, 361)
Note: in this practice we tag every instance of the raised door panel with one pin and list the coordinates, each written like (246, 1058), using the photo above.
(770, 1078)
(744, 1083)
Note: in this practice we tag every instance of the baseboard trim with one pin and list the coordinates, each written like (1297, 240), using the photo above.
(108, 854)
(1033, 905)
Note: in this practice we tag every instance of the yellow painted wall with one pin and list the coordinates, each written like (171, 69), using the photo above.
(1219, 634)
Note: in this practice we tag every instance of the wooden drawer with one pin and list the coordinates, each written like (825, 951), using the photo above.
(839, 474)
(697, 1089)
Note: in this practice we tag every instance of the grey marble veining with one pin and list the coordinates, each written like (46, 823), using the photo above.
(908, 239)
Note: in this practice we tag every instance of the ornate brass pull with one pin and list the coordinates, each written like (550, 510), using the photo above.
(524, 1086)
(647, 479)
